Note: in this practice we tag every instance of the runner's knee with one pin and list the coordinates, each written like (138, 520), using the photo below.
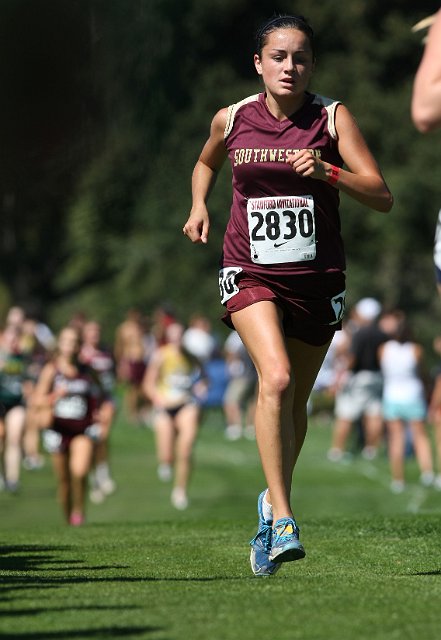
(275, 380)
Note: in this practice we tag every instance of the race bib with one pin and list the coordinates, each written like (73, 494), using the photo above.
(281, 229)
(227, 283)
(71, 408)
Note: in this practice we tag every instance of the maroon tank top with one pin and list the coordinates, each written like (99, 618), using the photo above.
(280, 222)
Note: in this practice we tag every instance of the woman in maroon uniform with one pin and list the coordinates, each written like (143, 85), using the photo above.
(68, 395)
(282, 274)
(95, 355)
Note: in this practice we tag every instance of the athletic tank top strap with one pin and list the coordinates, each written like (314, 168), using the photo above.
(232, 110)
(331, 107)
(328, 103)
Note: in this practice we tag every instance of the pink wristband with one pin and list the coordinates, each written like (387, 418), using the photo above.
(335, 173)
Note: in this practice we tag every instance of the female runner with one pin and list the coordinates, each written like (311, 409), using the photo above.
(282, 276)
(69, 395)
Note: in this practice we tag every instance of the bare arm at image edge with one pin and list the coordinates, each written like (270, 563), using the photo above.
(426, 98)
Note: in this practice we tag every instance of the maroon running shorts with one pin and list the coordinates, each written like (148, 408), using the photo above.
(312, 304)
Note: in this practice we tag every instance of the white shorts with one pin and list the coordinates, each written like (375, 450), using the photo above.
(361, 395)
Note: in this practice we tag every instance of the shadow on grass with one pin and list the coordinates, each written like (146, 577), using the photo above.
(102, 632)
(17, 583)
(31, 559)
(20, 563)
(435, 572)
(34, 553)
(35, 611)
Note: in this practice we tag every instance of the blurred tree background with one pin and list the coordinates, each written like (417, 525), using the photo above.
(105, 105)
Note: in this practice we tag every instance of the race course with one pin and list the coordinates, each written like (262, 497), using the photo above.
(139, 569)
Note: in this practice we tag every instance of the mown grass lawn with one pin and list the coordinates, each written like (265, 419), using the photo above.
(139, 569)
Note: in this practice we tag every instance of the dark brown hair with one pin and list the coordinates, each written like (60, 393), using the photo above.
(283, 22)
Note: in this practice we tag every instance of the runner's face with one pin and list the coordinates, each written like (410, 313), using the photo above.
(68, 343)
(286, 63)
(91, 333)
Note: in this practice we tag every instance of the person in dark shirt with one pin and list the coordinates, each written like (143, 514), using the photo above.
(359, 399)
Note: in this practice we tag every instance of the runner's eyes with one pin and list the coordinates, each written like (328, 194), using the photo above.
(297, 60)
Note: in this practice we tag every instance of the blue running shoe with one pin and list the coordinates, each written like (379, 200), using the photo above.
(261, 545)
(285, 544)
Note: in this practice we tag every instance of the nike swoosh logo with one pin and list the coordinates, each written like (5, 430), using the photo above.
(279, 244)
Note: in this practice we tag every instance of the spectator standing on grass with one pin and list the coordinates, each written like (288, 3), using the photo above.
(169, 384)
(282, 270)
(69, 395)
(199, 341)
(211, 390)
(331, 374)
(359, 397)
(198, 338)
(404, 403)
(241, 392)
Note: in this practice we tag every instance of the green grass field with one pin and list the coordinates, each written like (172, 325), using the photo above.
(139, 569)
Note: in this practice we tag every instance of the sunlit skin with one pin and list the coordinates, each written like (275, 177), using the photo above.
(92, 334)
(68, 348)
(286, 65)
(68, 344)
(426, 96)
(287, 367)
